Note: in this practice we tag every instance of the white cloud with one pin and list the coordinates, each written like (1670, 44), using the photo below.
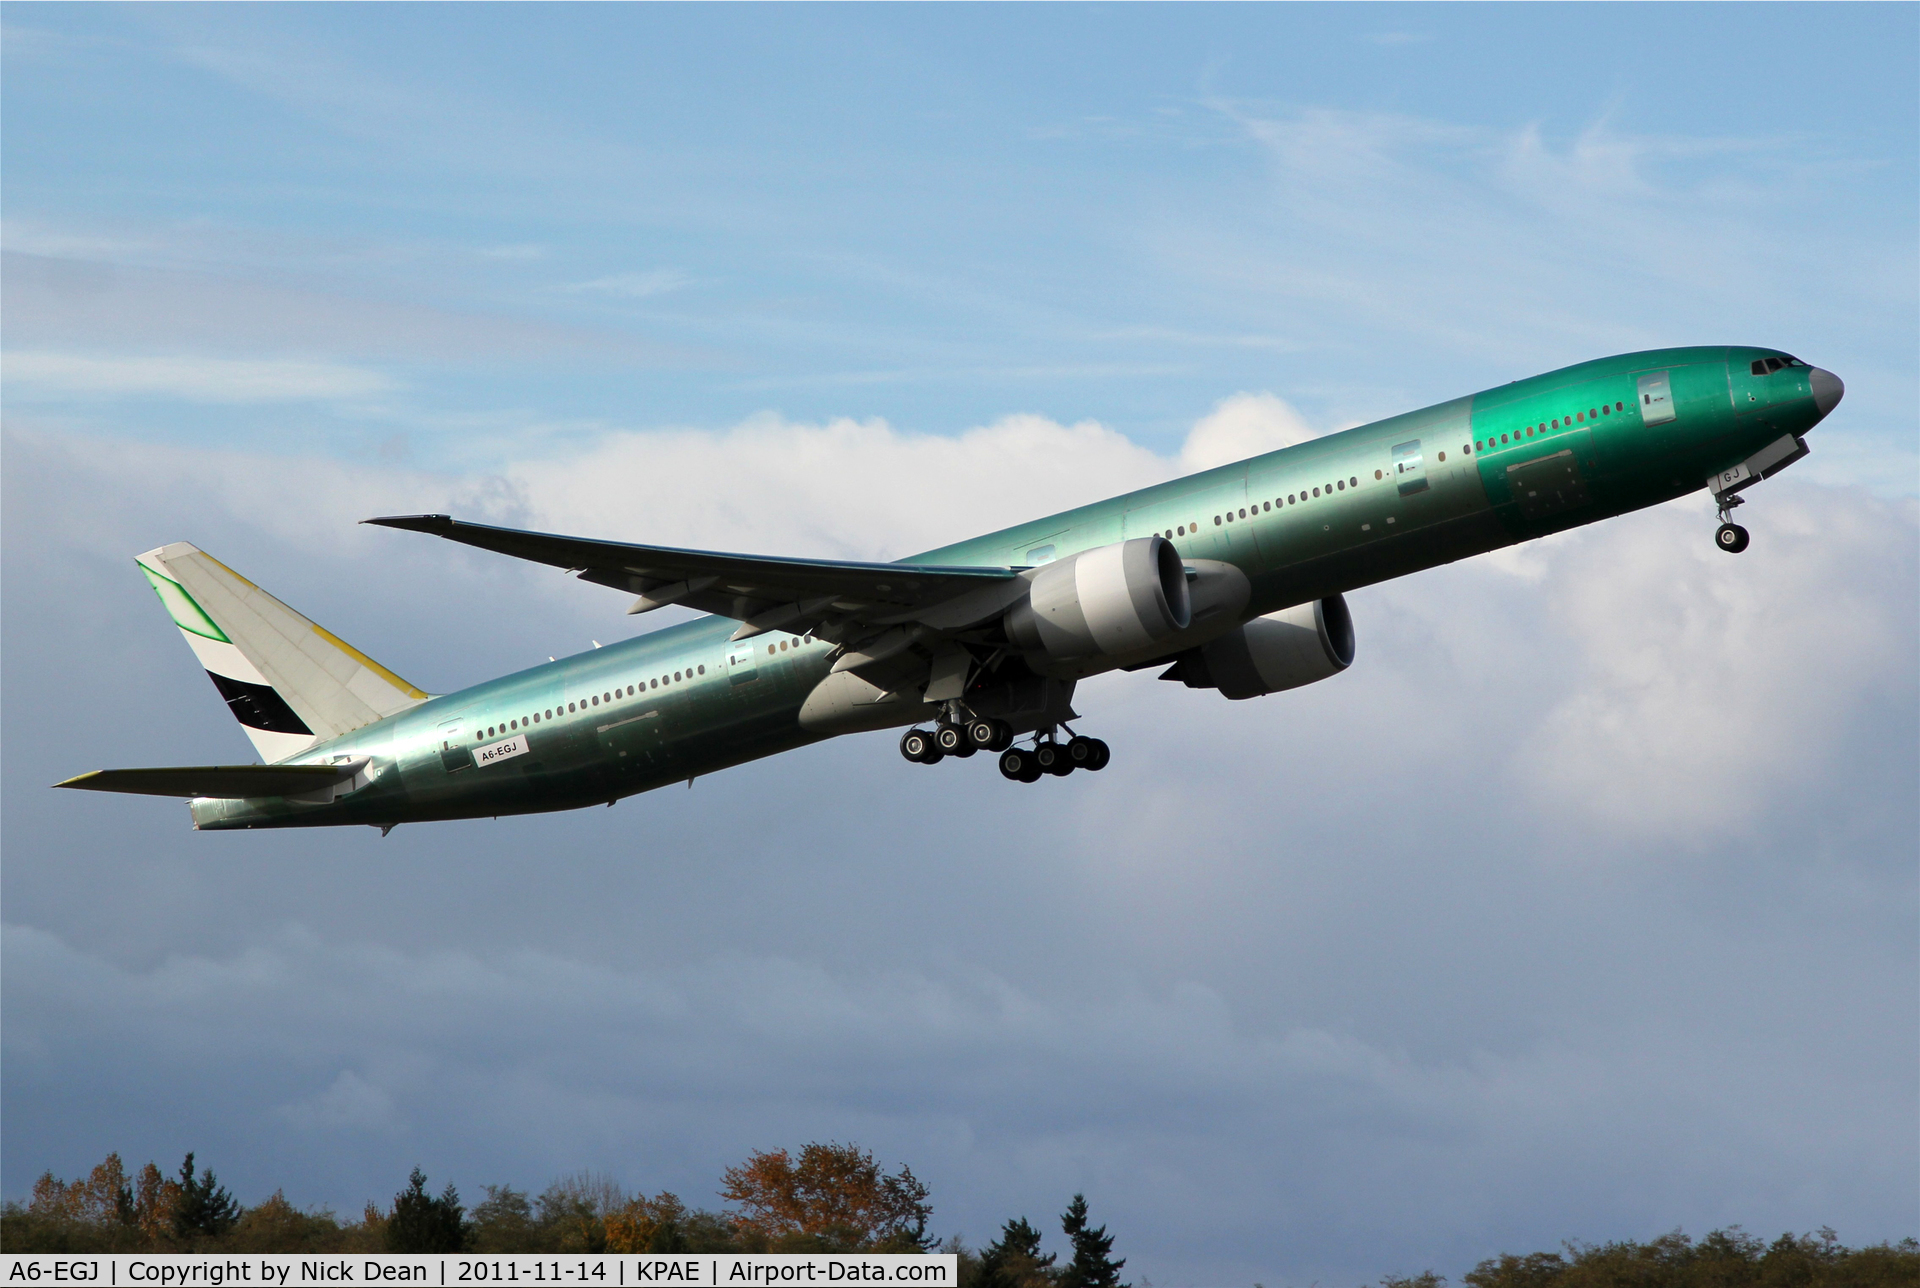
(658, 281)
(195, 377)
(1242, 426)
(1705, 686)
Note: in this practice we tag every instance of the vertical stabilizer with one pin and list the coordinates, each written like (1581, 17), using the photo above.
(289, 682)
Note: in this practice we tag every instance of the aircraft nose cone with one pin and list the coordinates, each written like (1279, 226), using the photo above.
(1828, 389)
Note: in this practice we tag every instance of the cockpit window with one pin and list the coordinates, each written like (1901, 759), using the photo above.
(1766, 366)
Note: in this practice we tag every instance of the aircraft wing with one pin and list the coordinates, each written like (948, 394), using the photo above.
(760, 592)
(227, 782)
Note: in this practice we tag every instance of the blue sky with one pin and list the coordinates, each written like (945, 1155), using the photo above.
(1582, 907)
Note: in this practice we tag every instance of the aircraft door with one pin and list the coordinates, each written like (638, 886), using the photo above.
(454, 752)
(1656, 399)
(742, 663)
(1409, 468)
(1547, 485)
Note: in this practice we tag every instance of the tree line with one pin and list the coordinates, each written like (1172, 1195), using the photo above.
(826, 1198)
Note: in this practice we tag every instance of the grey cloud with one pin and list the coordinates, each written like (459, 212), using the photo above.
(1327, 985)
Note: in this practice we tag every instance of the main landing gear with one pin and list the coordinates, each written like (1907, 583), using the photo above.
(1048, 755)
(1730, 536)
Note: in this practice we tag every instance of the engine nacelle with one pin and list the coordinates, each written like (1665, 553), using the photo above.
(1109, 601)
(1282, 650)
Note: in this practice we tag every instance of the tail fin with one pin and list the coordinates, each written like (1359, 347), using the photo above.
(291, 683)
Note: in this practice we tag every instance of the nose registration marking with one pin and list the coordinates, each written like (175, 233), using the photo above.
(505, 749)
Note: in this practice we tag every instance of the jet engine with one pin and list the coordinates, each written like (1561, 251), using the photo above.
(1282, 650)
(1108, 601)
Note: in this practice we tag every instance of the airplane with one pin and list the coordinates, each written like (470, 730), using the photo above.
(1232, 579)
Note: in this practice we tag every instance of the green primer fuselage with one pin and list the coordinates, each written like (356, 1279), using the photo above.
(1460, 478)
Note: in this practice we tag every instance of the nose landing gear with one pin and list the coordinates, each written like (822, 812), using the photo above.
(1730, 536)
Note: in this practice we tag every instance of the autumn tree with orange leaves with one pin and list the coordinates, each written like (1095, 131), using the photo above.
(833, 1198)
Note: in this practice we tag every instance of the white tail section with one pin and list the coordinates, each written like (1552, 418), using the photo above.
(290, 682)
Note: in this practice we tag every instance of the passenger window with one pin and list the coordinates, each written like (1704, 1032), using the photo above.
(703, 670)
(1465, 450)
(1216, 520)
(1619, 406)
(1343, 485)
(1266, 505)
(1243, 514)
(769, 648)
(1591, 413)
(1316, 491)
(1378, 475)
(1443, 456)
(1182, 530)
(1503, 438)
(1606, 411)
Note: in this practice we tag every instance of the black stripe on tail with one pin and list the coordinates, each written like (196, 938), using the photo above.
(257, 706)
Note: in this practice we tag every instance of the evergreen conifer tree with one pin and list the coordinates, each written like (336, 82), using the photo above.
(1091, 1266)
(1014, 1261)
(422, 1223)
(204, 1206)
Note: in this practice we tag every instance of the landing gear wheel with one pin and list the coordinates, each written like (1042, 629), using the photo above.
(1088, 753)
(952, 741)
(990, 735)
(1053, 759)
(918, 746)
(1731, 538)
(1018, 764)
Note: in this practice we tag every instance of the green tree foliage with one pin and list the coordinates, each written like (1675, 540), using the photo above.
(422, 1223)
(830, 1198)
(1092, 1265)
(203, 1208)
(1014, 1260)
(502, 1222)
(1729, 1258)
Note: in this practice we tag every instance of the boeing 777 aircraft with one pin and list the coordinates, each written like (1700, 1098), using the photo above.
(1231, 580)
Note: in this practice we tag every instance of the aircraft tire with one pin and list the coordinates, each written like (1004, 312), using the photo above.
(1052, 758)
(990, 735)
(1018, 764)
(1732, 538)
(918, 746)
(952, 741)
(1081, 752)
(1101, 755)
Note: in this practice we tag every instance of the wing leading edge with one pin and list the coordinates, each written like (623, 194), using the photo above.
(835, 598)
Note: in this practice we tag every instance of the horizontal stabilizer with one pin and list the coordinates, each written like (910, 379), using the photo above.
(226, 782)
(763, 592)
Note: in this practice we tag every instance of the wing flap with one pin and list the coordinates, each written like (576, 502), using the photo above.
(224, 782)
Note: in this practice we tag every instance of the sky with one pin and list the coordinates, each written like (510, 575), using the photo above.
(1584, 906)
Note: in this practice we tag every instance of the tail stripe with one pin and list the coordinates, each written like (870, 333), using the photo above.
(257, 706)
